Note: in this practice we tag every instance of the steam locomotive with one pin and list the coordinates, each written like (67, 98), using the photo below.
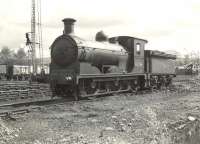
(81, 68)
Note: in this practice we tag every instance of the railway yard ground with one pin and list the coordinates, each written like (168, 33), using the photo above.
(168, 116)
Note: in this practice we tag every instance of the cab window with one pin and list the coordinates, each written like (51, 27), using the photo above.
(138, 48)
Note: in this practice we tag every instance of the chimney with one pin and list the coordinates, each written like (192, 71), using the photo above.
(68, 25)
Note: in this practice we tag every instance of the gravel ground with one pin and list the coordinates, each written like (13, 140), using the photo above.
(164, 117)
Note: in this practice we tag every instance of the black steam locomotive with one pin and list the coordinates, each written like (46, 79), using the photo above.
(86, 68)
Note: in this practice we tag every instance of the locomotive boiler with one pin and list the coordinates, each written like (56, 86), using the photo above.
(85, 68)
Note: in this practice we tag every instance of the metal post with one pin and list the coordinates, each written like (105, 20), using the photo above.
(33, 38)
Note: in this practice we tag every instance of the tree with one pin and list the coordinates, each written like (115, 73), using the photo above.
(5, 51)
(186, 59)
(6, 55)
(20, 54)
(179, 61)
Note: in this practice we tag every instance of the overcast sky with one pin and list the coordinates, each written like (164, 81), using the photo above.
(166, 24)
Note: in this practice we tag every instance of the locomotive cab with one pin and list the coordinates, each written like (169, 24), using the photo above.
(135, 49)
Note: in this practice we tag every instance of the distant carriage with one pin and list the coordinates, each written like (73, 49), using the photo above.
(23, 72)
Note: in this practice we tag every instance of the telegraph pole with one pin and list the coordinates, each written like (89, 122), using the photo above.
(35, 40)
(33, 37)
(36, 34)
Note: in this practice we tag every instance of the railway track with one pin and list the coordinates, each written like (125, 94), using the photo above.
(17, 96)
(27, 106)
(19, 106)
(22, 107)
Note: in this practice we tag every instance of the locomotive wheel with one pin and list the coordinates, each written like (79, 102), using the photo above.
(161, 83)
(168, 81)
(111, 86)
(89, 87)
(124, 85)
(107, 86)
(93, 84)
(115, 85)
(134, 85)
(155, 83)
(92, 88)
